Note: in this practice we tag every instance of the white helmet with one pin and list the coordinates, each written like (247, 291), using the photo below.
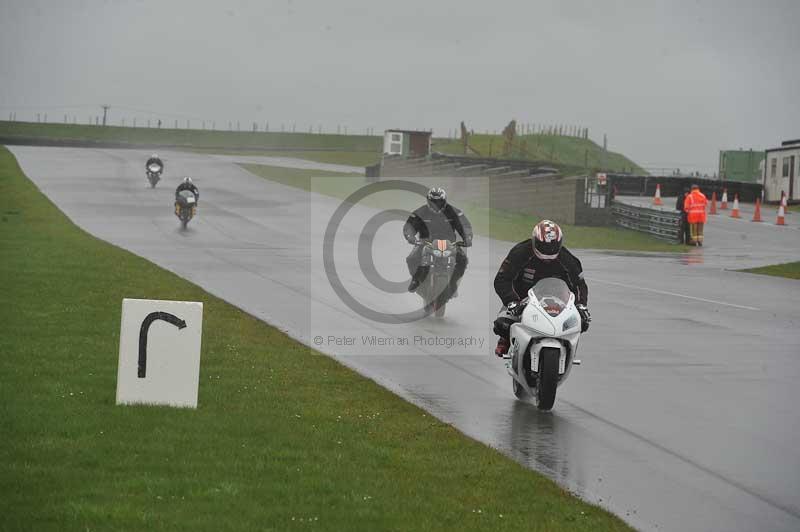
(187, 180)
(547, 239)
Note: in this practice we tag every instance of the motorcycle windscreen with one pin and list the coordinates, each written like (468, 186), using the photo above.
(154, 168)
(187, 196)
(553, 295)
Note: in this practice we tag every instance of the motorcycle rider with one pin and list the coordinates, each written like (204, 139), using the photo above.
(541, 256)
(187, 184)
(154, 159)
(439, 220)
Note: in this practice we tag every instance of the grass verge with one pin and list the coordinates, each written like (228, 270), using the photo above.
(485, 221)
(790, 270)
(273, 445)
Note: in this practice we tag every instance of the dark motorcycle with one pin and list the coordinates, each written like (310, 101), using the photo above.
(439, 256)
(154, 171)
(185, 206)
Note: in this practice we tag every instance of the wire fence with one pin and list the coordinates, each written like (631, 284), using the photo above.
(151, 122)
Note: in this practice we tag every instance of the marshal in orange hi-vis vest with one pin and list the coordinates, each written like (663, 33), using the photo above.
(695, 206)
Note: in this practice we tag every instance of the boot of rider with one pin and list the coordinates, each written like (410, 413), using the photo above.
(416, 279)
(502, 347)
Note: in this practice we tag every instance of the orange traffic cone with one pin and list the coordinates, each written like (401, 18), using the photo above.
(657, 198)
(713, 203)
(757, 214)
(782, 211)
(724, 205)
(735, 211)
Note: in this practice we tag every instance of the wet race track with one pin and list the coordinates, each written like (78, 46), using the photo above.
(683, 415)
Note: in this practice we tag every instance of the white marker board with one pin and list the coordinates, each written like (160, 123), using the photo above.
(159, 352)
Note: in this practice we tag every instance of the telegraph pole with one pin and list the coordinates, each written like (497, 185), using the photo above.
(105, 112)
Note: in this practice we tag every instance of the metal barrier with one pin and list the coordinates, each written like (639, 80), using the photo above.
(660, 224)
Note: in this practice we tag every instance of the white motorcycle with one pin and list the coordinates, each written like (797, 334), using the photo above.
(154, 173)
(544, 342)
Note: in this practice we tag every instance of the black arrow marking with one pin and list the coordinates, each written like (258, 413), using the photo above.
(153, 316)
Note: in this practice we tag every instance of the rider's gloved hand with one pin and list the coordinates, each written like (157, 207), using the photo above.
(586, 318)
(515, 308)
(467, 242)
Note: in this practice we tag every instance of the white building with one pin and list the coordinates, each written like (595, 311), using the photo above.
(782, 171)
(406, 142)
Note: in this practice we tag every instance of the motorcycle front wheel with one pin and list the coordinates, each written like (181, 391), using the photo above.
(548, 377)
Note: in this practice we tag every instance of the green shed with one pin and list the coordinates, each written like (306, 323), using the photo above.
(741, 165)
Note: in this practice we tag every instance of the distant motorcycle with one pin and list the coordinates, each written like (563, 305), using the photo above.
(154, 171)
(185, 206)
(544, 343)
(440, 257)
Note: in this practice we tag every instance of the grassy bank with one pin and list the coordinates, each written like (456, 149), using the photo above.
(568, 152)
(273, 446)
(190, 138)
(790, 270)
(486, 221)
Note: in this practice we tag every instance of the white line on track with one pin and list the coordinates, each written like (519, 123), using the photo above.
(714, 301)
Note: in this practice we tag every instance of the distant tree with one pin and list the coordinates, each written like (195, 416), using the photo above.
(464, 137)
(509, 134)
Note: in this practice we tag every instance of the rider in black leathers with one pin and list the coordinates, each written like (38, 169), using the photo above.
(436, 220)
(534, 259)
(154, 159)
(187, 184)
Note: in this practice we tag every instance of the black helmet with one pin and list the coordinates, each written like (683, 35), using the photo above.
(437, 199)
(547, 238)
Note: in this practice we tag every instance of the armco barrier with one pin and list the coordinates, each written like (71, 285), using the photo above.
(660, 224)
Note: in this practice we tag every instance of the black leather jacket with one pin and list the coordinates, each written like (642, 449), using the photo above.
(438, 225)
(152, 160)
(522, 269)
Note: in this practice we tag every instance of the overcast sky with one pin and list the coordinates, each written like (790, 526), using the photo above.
(671, 82)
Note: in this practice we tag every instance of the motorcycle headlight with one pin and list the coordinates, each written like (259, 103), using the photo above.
(447, 253)
(437, 253)
(571, 322)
